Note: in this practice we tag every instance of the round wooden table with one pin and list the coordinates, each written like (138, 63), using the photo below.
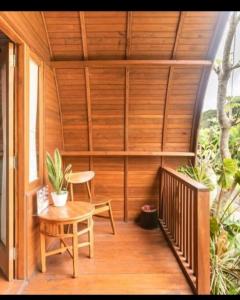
(62, 222)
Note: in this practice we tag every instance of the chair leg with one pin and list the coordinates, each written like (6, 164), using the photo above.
(75, 250)
(43, 252)
(90, 236)
(111, 218)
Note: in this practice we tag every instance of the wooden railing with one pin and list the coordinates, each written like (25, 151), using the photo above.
(184, 219)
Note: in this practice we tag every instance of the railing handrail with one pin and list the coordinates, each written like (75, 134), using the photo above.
(187, 180)
(185, 220)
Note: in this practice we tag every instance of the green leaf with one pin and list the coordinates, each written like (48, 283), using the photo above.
(214, 226)
(237, 177)
(227, 172)
(56, 175)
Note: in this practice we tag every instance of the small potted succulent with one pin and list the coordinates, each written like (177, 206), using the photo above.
(57, 178)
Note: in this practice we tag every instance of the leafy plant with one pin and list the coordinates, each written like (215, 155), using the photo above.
(225, 255)
(56, 175)
(227, 173)
(198, 173)
(225, 266)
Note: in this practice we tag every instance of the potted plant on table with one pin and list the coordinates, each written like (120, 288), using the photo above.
(57, 178)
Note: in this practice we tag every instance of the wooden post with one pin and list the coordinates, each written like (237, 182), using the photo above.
(202, 230)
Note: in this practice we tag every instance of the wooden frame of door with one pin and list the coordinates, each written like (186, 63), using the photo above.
(21, 140)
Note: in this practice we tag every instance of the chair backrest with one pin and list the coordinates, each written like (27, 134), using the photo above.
(78, 178)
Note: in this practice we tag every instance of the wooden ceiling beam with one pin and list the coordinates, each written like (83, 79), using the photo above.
(129, 33)
(55, 78)
(88, 91)
(169, 82)
(84, 34)
(48, 39)
(75, 64)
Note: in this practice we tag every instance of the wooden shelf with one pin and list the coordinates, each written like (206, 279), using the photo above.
(126, 153)
(72, 64)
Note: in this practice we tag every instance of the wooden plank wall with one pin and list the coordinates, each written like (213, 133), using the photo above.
(133, 108)
(143, 127)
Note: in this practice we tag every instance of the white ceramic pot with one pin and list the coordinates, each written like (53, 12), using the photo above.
(59, 199)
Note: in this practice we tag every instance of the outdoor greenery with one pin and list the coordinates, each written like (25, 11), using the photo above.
(221, 175)
(56, 175)
(218, 167)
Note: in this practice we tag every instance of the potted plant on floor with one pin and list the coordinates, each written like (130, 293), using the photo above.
(57, 178)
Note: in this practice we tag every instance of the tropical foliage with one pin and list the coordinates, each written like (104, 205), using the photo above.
(218, 167)
(56, 175)
(221, 175)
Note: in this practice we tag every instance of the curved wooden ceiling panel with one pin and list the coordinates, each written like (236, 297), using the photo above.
(64, 34)
(131, 107)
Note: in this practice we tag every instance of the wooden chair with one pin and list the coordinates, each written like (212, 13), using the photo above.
(101, 205)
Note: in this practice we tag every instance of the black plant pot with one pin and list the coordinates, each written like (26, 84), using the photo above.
(148, 218)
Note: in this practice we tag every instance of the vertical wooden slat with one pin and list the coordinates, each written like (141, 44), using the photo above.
(184, 221)
(187, 224)
(203, 242)
(126, 189)
(174, 209)
(129, 31)
(177, 225)
(126, 110)
(168, 195)
(169, 204)
(88, 92)
(190, 228)
(181, 217)
(162, 206)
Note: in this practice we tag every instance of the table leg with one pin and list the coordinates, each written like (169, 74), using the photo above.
(43, 251)
(75, 250)
(61, 232)
(90, 236)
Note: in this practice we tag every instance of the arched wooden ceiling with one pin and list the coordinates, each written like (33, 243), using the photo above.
(131, 81)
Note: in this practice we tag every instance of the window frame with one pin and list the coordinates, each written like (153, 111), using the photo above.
(39, 181)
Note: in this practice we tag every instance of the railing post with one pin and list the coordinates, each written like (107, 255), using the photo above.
(202, 230)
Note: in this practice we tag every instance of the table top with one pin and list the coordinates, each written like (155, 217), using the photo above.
(72, 211)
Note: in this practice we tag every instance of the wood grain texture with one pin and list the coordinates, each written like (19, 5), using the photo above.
(53, 128)
(184, 219)
(124, 111)
(30, 28)
(119, 266)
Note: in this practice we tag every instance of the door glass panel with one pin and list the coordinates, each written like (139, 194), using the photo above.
(33, 121)
(3, 151)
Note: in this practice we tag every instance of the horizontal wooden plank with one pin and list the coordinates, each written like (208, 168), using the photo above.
(98, 63)
(125, 153)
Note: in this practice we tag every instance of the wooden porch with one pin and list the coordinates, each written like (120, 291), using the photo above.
(134, 261)
(120, 94)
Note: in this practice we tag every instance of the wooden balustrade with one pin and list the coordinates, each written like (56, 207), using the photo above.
(184, 219)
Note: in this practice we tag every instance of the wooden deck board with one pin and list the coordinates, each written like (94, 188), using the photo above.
(10, 287)
(135, 261)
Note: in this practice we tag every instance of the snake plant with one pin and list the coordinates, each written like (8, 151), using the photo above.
(56, 175)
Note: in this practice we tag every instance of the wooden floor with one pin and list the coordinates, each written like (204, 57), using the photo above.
(134, 261)
(13, 287)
